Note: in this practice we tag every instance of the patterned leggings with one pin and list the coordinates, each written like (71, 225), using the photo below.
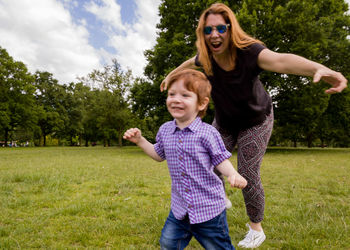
(251, 147)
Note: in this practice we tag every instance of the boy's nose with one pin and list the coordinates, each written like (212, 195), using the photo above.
(177, 99)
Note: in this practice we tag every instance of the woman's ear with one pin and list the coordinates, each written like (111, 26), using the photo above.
(204, 104)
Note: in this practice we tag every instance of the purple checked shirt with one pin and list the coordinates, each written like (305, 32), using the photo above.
(191, 154)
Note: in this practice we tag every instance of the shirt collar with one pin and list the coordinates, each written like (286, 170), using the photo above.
(194, 126)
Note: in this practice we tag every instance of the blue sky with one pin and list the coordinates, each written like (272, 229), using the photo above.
(70, 38)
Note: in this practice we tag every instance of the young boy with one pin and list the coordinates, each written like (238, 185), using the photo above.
(192, 149)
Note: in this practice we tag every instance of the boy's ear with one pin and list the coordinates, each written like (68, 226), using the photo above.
(204, 104)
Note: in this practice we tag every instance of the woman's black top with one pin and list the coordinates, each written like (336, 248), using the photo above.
(240, 99)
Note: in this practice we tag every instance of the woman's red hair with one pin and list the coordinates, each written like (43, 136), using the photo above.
(238, 38)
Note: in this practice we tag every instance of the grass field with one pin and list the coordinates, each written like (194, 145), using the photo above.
(118, 198)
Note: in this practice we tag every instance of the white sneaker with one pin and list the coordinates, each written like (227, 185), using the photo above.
(252, 239)
(228, 203)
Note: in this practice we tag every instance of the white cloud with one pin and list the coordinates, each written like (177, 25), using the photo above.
(109, 13)
(41, 34)
(131, 40)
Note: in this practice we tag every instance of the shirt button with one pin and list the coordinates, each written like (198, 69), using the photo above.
(190, 206)
(183, 174)
(180, 140)
(186, 190)
(180, 158)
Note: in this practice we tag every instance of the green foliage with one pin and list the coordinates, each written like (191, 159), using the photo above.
(17, 108)
(36, 107)
(49, 102)
(110, 113)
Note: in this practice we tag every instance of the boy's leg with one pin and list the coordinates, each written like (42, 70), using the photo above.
(175, 233)
(213, 234)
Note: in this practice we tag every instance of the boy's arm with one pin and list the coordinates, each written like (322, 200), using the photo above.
(134, 135)
(234, 178)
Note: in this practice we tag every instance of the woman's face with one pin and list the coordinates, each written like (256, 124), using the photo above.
(217, 42)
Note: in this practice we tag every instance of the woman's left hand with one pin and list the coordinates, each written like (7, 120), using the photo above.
(336, 79)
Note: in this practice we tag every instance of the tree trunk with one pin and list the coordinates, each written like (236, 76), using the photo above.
(309, 140)
(6, 137)
(120, 139)
(44, 140)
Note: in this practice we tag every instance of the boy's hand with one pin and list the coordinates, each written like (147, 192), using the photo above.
(133, 135)
(237, 181)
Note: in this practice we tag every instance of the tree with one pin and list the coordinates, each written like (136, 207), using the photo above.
(175, 43)
(112, 86)
(315, 29)
(17, 109)
(338, 119)
(88, 99)
(73, 108)
(50, 115)
(299, 110)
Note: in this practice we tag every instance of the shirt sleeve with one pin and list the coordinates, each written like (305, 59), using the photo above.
(256, 48)
(254, 51)
(216, 147)
(159, 145)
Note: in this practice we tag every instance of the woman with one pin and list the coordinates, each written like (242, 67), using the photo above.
(232, 61)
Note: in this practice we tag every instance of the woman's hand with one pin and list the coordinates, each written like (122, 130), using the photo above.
(164, 84)
(336, 79)
(189, 64)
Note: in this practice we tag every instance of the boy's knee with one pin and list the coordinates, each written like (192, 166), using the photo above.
(166, 243)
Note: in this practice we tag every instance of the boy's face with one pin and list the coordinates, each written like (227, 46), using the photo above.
(182, 104)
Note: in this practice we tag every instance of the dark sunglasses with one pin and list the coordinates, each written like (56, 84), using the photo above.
(220, 28)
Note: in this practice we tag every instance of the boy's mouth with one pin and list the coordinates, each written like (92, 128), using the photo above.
(176, 108)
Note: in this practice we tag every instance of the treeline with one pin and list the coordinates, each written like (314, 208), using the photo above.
(103, 104)
(34, 107)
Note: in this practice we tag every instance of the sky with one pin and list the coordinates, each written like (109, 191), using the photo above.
(71, 38)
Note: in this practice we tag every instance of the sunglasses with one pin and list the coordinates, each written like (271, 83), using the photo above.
(220, 28)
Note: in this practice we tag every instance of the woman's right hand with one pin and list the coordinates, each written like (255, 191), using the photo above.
(189, 64)
(164, 84)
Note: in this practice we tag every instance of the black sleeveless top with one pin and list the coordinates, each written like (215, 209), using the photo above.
(240, 99)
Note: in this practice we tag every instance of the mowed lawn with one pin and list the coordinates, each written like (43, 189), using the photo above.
(118, 198)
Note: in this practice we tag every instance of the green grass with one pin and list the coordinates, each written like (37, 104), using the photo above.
(118, 198)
